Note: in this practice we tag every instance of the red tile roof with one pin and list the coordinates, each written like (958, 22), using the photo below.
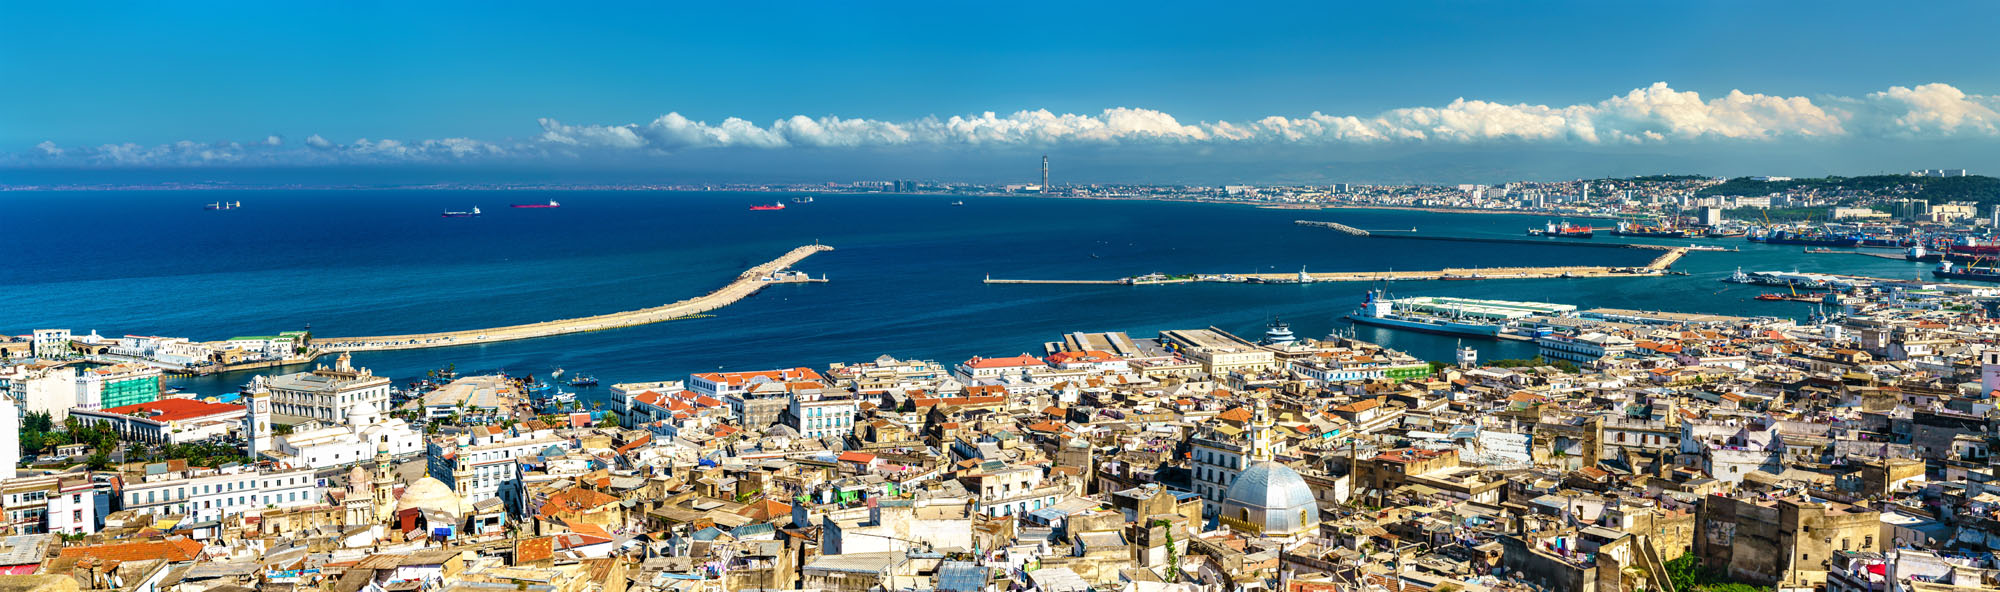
(169, 410)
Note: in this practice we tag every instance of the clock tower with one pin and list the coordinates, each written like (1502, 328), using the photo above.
(257, 417)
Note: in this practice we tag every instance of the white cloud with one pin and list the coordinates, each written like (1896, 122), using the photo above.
(1653, 115)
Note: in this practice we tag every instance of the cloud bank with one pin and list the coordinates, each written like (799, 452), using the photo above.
(1656, 115)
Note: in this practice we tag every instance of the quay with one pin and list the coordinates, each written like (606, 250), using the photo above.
(745, 284)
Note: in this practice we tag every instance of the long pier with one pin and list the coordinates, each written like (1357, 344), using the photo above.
(745, 284)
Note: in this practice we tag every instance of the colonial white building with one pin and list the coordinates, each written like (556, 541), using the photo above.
(204, 494)
(328, 394)
(822, 414)
(479, 466)
(177, 421)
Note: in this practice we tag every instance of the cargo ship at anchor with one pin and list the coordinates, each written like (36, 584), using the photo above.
(223, 205)
(1948, 270)
(1563, 230)
(472, 214)
(1810, 239)
(552, 204)
(1642, 230)
(768, 207)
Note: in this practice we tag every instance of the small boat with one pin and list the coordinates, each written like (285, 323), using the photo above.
(552, 204)
(537, 386)
(472, 214)
(766, 208)
(583, 380)
(958, 203)
(563, 397)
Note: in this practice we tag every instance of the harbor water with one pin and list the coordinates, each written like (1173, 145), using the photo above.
(905, 279)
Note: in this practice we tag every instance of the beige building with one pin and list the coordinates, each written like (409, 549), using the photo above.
(1217, 352)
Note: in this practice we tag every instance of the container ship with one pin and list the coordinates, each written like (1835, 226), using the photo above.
(1810, 239)
(1949, 270)
(472, 214)
(552, 204)
(1642, 230)
(1449, 316)
(1563, 230)
(768, 207)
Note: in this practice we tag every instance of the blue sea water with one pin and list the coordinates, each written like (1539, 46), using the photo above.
(905, 278)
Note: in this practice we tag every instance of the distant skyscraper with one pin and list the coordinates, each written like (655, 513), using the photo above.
(1045, 173)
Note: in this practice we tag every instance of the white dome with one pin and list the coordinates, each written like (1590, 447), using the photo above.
(1271, 499)
(432, 495)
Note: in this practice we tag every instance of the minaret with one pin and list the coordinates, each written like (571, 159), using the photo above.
(385, 484)
(258, 420)
(1260, 433)
(1045, 173)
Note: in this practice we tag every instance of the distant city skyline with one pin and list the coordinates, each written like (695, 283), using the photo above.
(1444, 92)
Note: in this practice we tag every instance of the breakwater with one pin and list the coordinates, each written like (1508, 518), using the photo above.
(745, 284)
(1657, 267)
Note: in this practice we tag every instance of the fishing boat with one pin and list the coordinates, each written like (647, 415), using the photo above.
(563, 397)
(767, 207)
(583, 380)
(552, 204)
(471, 214)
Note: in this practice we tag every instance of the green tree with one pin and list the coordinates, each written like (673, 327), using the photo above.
(609, 421)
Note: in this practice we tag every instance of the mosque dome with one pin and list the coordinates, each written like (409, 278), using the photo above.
(1272, 500)
(431, 494)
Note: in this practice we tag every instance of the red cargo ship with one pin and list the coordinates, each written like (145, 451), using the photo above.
(775, 206)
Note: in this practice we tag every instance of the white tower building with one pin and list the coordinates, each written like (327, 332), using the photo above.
(257, 419)
(1989, 372)
(1467, 357)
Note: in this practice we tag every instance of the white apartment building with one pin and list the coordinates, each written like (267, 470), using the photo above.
(822, 414)
(57, 503)
(204, 494)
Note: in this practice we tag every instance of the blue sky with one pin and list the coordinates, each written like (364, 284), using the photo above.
(564, 87)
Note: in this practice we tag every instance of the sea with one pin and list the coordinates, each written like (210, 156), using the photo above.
(904, 279)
